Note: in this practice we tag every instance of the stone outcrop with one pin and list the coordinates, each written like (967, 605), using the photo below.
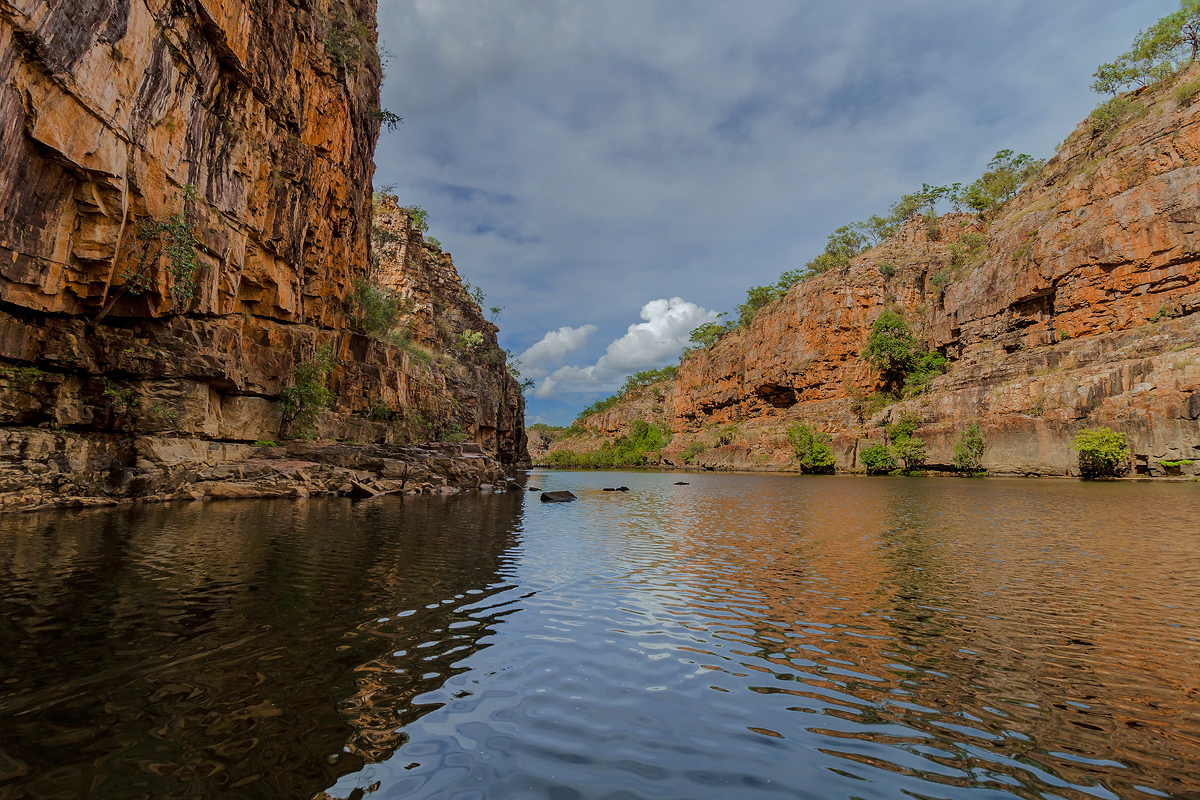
(42, 468)
(252, 124)
(1079, 310)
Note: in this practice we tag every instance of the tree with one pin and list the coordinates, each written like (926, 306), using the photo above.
(891, 347)
(842, 245)
(1102, 452)
(756, 298)
(911, 451)
(1168, 46)
(707, 335)
(877, 458)
(1006, 173)
(811, 447)
(968, 450)
(171, 237)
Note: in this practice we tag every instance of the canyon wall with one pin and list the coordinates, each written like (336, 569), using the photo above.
(1080, 310)
(246, 128)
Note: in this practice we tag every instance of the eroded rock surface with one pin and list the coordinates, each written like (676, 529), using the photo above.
(255, 121)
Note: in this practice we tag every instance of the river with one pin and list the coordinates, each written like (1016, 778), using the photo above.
(740, 636)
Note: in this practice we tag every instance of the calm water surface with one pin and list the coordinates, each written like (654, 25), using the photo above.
(744, 636)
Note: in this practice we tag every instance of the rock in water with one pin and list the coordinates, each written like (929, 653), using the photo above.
(682, 483)
(609, 489)
(535, 488)
(557, 497)
(622, 489)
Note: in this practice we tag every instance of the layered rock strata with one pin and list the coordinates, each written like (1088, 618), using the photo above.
(1079, 310)
(41, 469)
(251, 124)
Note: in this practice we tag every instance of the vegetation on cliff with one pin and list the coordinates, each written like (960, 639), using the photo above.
(625, 451)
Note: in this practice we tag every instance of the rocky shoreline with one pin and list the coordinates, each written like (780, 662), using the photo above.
(42, 468)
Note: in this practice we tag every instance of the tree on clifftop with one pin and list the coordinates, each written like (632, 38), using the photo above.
(1159, 52)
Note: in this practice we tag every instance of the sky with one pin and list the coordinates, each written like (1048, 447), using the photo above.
(614, 173)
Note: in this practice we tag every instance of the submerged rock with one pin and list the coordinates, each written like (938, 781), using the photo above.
(682, 483)
(557, 497)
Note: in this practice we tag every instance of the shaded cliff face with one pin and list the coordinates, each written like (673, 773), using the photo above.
(1079, 310)
(254, 121)
(110, 108)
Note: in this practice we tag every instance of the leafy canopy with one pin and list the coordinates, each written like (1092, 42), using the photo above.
(811, 447)
(1102, 452)
(1158, 52)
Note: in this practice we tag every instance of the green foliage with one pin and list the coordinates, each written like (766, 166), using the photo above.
(709, 334)
(940, 279)
(380, 412)
(1004, 176)
(387, 119)
(598, 406)
(172, 238)
(902, 428)
(756, 298)
(911, 451)
(967, 249)
(968, 450)
(811, 448)
(1102, 452)
(1108, 118)
(417, 217)
(843, 245)
(891, 347)
(373, 310)
(1186, 92)
(625, 451)
(1168, 46)
(877, 458)
(475, 293)
(434, 243)
(22, 377)
(468, 342)
(646, 377)
(345, 37)
(887, 270)
(1164, 313)
(309, 393)
(265, 443)
(118, 397)
(691, 451)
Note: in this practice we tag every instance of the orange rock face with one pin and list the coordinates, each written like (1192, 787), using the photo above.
(1079, 311)
(254, 122)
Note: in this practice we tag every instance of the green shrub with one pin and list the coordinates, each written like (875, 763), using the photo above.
(598, 406)
(902, 428)
(1003, 177)
(891, 347)
(373, 310)
(417, 217)
(1110, 117)
(308, 395)
(265, 443)
(968, 450)
(1186, 92)
(887, 270)
(756, 298)
(877, 458)
(646, 377)
(811, 448)
(625, 451)
(843, 245)
(926, 367)
(691, 451)
(1102, 452)
(911, 451)
(345, 37)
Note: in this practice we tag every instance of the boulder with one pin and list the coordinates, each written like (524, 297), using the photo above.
(557, 497)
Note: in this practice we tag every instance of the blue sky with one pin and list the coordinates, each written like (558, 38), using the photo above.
(613, 173)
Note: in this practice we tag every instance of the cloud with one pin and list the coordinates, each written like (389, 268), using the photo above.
(553, 348)
(660, 338)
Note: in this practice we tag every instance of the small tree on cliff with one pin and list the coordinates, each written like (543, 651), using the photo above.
(891, 347)
(1103, 452)
(811, 448)
(169, 240)
(1169, 45)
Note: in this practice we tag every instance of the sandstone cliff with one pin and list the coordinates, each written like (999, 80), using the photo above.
(254, 122)
(1079, 311)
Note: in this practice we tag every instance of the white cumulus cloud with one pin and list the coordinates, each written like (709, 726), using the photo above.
(553, 348)
(660, 338)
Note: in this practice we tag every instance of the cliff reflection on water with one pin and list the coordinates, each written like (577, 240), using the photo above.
(255, 649)
(743, 635)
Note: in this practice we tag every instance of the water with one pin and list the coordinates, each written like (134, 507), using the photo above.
(744, 636)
